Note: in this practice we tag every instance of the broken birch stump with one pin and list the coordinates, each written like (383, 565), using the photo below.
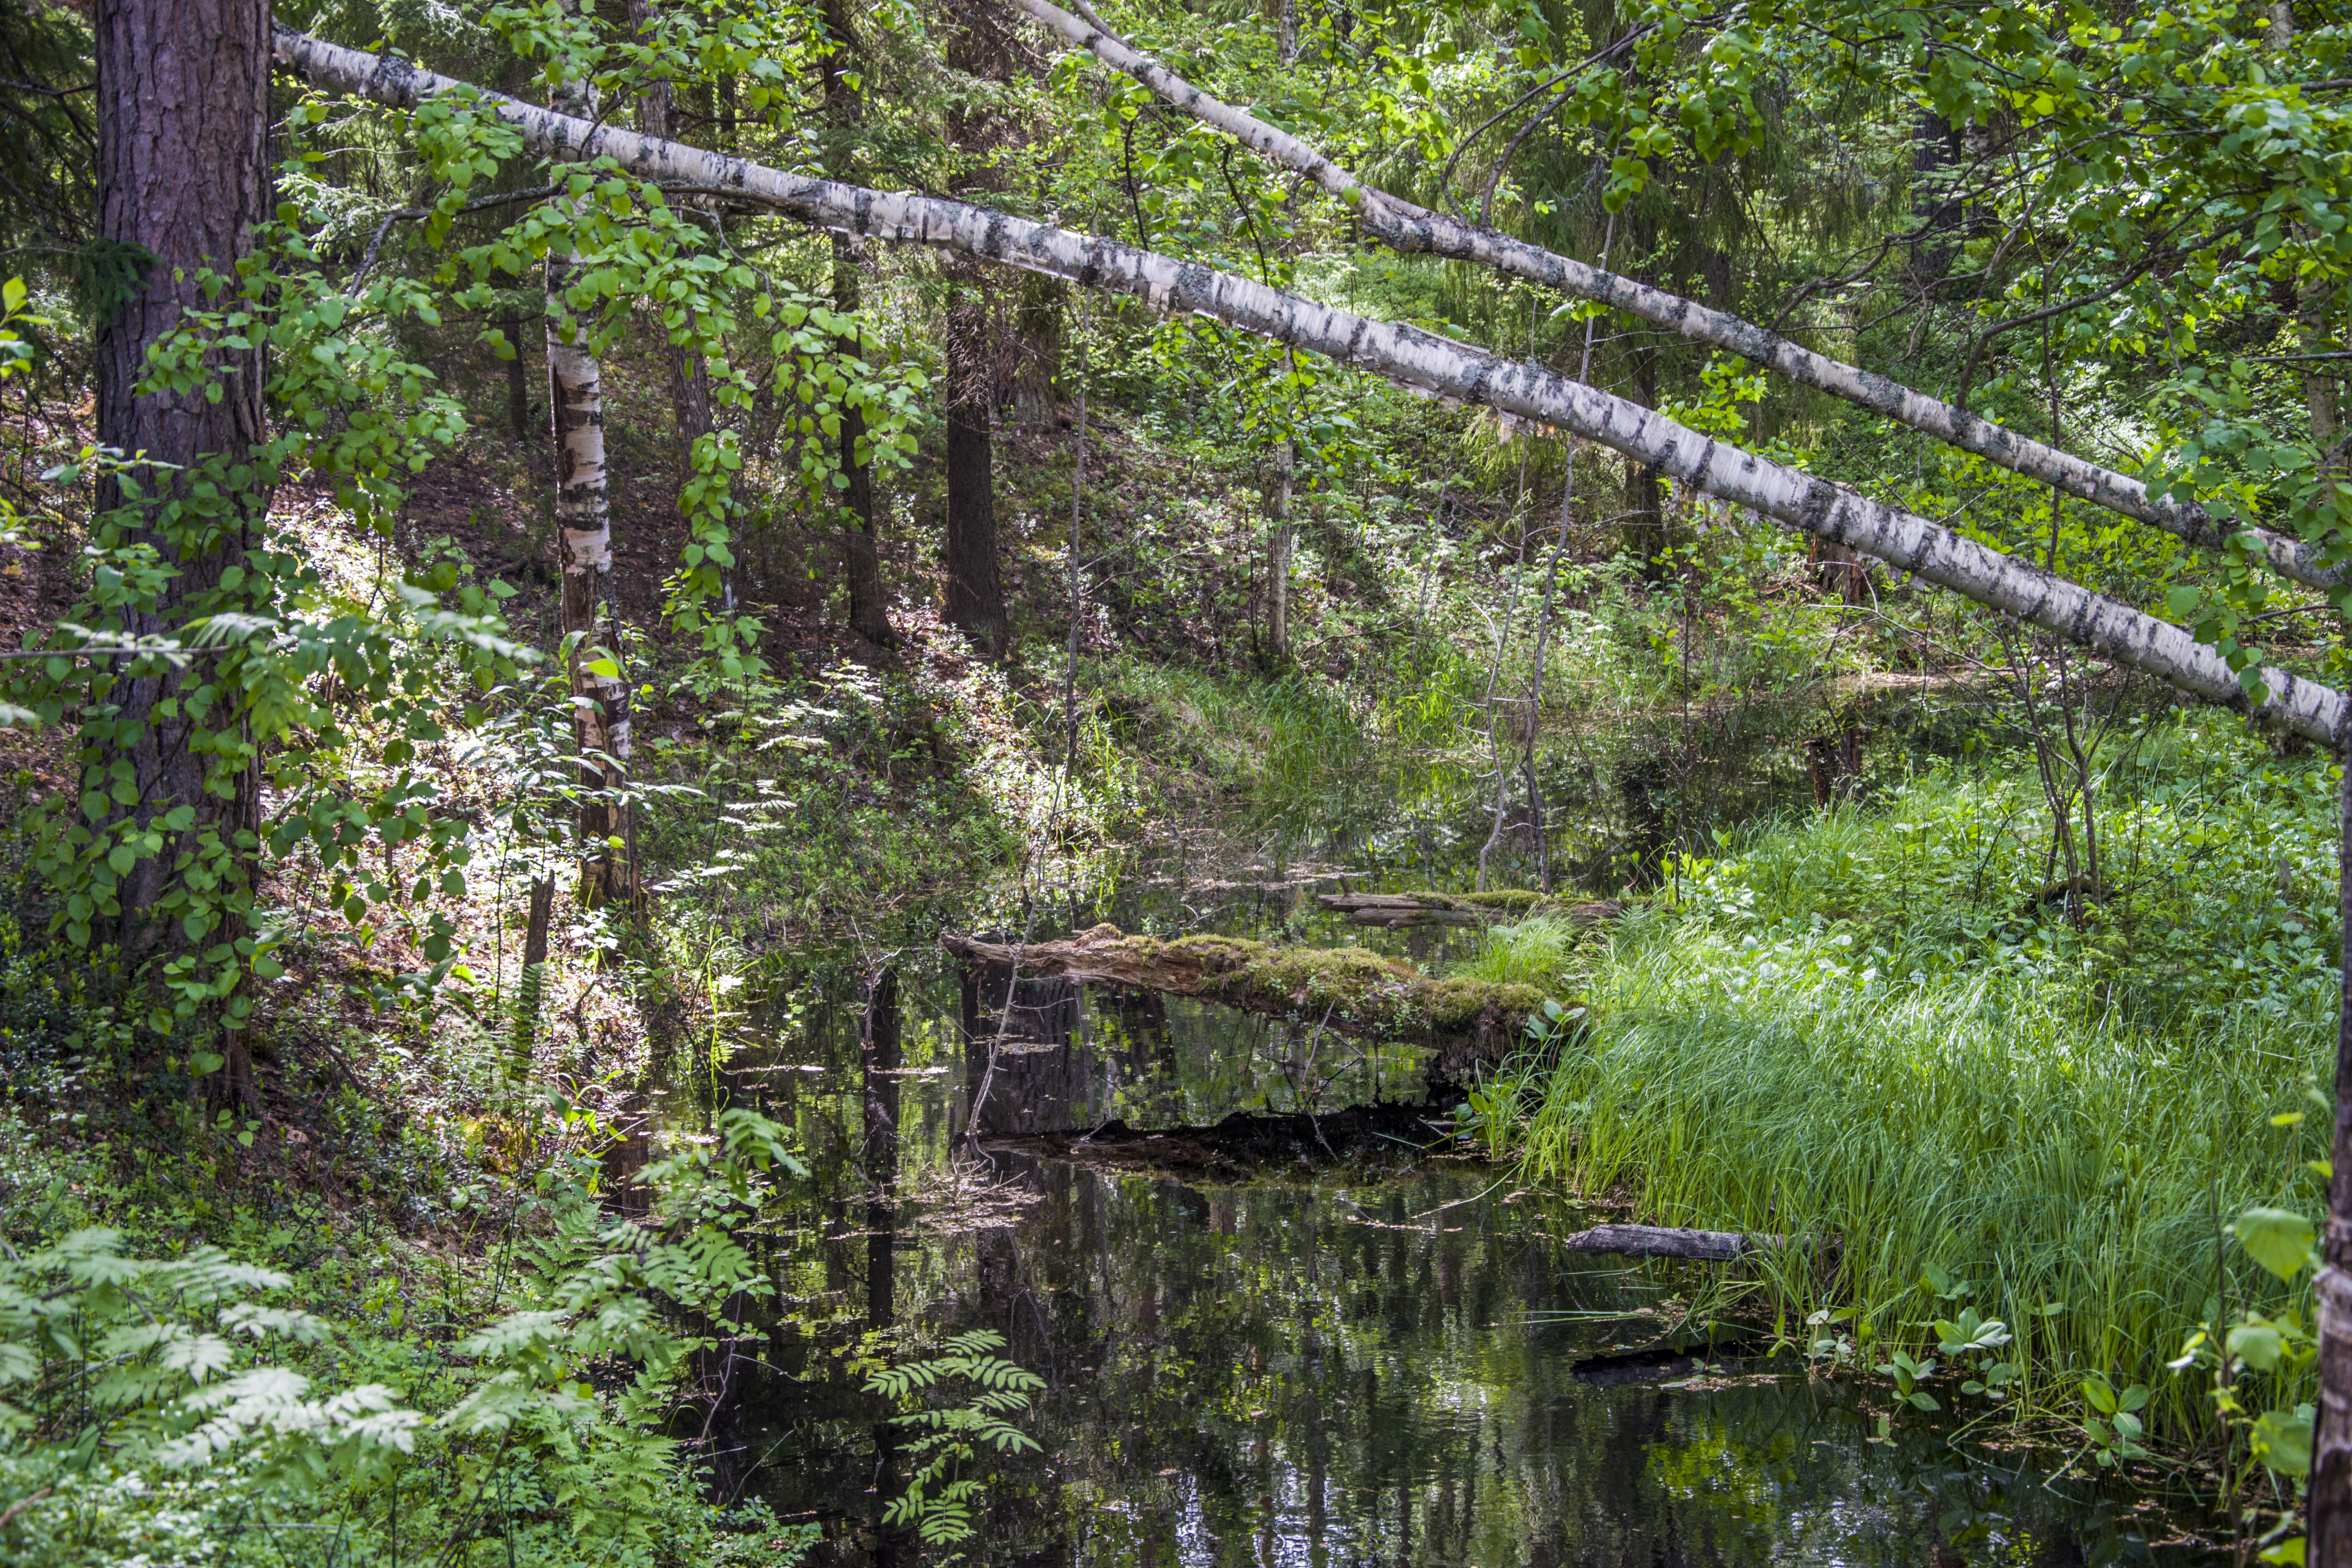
(1393, 910)
(1347, 989)
(1661, 1241)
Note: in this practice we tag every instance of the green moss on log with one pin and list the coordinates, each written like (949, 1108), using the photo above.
(1516, 902)
(1349, 989)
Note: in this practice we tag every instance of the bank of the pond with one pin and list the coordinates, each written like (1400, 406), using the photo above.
(1869, 1025)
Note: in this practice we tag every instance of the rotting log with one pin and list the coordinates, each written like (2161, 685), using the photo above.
(1346, 989)
(1660, 1241)
(1392, 909)
(1425, 908)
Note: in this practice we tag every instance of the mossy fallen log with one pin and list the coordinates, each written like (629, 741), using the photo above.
(1423, 909)
(1347, 989)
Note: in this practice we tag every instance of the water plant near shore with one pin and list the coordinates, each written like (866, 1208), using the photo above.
(1865, 1025)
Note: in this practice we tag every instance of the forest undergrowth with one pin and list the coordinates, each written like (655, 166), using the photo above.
(578, 601)
(2026, 1172)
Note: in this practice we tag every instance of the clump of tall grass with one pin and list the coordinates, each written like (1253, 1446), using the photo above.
(2075, 1170)
(1871, 1027)
(1542, 952)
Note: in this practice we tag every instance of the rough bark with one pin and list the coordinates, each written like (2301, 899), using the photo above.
(1839, 572)
(869, 604)
(975, 597)
(1936, 149)
(1347, 988)
(689, 374)
(1411, 357)
(980, 49)
(1646, 501)
(1405, 226)
(517, 383)
(583, 524)
(183, 175)
(869, 601)
(530, 988)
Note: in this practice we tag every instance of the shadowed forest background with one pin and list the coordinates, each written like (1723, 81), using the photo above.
(512, 664)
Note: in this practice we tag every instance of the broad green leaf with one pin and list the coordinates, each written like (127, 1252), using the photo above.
(2282, 1440)
(2278, 1239)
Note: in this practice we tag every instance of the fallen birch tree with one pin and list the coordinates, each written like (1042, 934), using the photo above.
(1405, 354)
(1404, 227)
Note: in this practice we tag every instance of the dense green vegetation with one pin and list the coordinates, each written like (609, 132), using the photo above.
(480, 617)
(2051, 1122)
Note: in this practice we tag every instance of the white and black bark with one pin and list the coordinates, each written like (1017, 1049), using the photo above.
(583, 528)
(1277, 556)
(1407, 228)
(1411, 357)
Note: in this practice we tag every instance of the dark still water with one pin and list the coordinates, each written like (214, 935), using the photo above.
(1347, 1343)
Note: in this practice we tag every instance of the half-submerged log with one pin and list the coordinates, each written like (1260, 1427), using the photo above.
(1393, 909)
(1658, 1241)
(1345, 989)
(1398, 910)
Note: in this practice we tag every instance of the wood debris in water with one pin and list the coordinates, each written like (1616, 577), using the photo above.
(1350, 990)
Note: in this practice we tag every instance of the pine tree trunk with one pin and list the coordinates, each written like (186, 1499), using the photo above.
(584, 529)
(689, 375)
(182, 105)
(1645, 529)
(975, 601)
(981, 48)
(517, 384)
(869, 604)
(183, 175)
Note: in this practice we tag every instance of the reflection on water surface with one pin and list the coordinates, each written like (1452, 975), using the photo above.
(1324, 1362)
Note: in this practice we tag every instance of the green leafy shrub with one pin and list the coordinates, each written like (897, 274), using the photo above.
(173, 1410)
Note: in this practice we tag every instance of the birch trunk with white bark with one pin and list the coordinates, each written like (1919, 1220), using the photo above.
(1406, 227)
(1407, 356)
(584, 526)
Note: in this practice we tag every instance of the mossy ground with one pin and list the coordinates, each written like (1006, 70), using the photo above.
(1357, 987)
